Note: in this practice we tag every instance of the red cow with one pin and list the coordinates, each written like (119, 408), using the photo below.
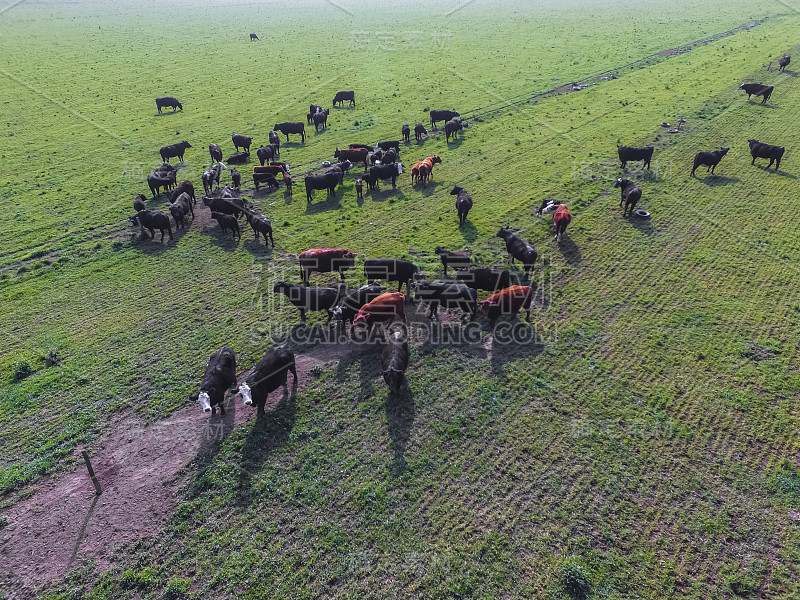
(508, 301)
(325, 260)
(386, 307)
(561, 219)
(426, 168)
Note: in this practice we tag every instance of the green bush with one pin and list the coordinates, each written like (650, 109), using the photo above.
(575, 580)
(176, 588)
(21, 369)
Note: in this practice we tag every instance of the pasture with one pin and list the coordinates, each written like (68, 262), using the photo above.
(642, 437)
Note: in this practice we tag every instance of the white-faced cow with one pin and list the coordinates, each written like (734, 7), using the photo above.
(219, 377)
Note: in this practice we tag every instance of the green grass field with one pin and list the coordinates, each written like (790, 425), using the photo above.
(649, 436)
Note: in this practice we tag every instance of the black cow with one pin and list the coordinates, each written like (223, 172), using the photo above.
(266, 153)
(321, 118)
(448, 295)
(211, 175)
(172, 150)
(490, 280)
(394, 360)
(633, 154)
(376, 157)
(342, 96)
(347, 308)
(260, 224)
(180, 207)
(308, 298)
(227, 222)
(228, 204)
(356, 155)
(219, 377)
(139, 202)
(243, 141)
(371, 179)
(157, 180)
(757, 89)
(457, 260)
(267, 179)
(338, 169)
(518, 249)
(452, 127)
(419, 131)
(216, 152)
(359, 188)
(630, 194)
(709, 159)
(253, 37)
(389, 157)
(391, 269)
(168, 101)
(405, 131)
(329, 181)
(378, 172)
(151, 220)
(784, 62)
(314, 108)
(463, 204)
(270, 373)
(443, 115)
(773, 153)
(275, 142)
(387, 145)
(291, 127)
(236, 178)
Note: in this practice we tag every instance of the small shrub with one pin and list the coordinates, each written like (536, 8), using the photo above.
(316, 371)
(21, 369)
(52, 358)
(575, 580)
(176, 588)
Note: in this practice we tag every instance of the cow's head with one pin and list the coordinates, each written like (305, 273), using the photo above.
(134, 220)
(456, 189)
(186, 144)
(724, 151)
(246, 394)
(618, 183)
(436, 159)
(205, 400)
(503, 233)
(180, 105)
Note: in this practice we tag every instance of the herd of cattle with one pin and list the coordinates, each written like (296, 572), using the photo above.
(369, 305)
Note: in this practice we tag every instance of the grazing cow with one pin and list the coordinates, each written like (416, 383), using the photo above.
(390, 171)
(757, 89)
(371, 179)
(359, 188)
(321, 118)
(155, 181)
(394, 360)
(151, 220)
(173, 150)
(386, 307)
(260, 224)
(325, 260)
(171, 102)
(338, 170)
(184, 186)
(632, 154)
(490, 280)
(227, 222)
(458, 260)
(219, 377)
(355, 155)
(180, 207)
(227, 205)
(463, 203)
(291, 127)
(405, 131)
(139, 202)
(387, 145)
(253, 37)
(442, 115)
(419, 131)
(342, 96)
(270, 373)
(275, 141)
(561, 218)
(389, 156)
(241, 141)
(426, 168)
(329, 181)
(630, 194)
(216, 152)
(308, 298)
(236, 178)
(518, 249)
(211, 175)
(452, 127)
(391, 269)
(548, 206)
(784, 62)
(347, 308)
(265, 174)
(508, 302)
(266, 154)
(709, 159)
(773, 153)
(448, 295)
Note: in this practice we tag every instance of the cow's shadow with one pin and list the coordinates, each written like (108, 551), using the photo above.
(151, 246)
(400, 413)
(777, 172)
(224, 241)
(164, 114)
(343, 107)
(645, 225)
(513, 339)
(330, 203)
(717, 180)
(762, 104)
(468, 231)
(292, 144)
(455, 142)
(386, 193)
(320, 131)
(217, 428)
(268, 432)
(569, 250)
(257, 248)
(369, 367)
(431, 188)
